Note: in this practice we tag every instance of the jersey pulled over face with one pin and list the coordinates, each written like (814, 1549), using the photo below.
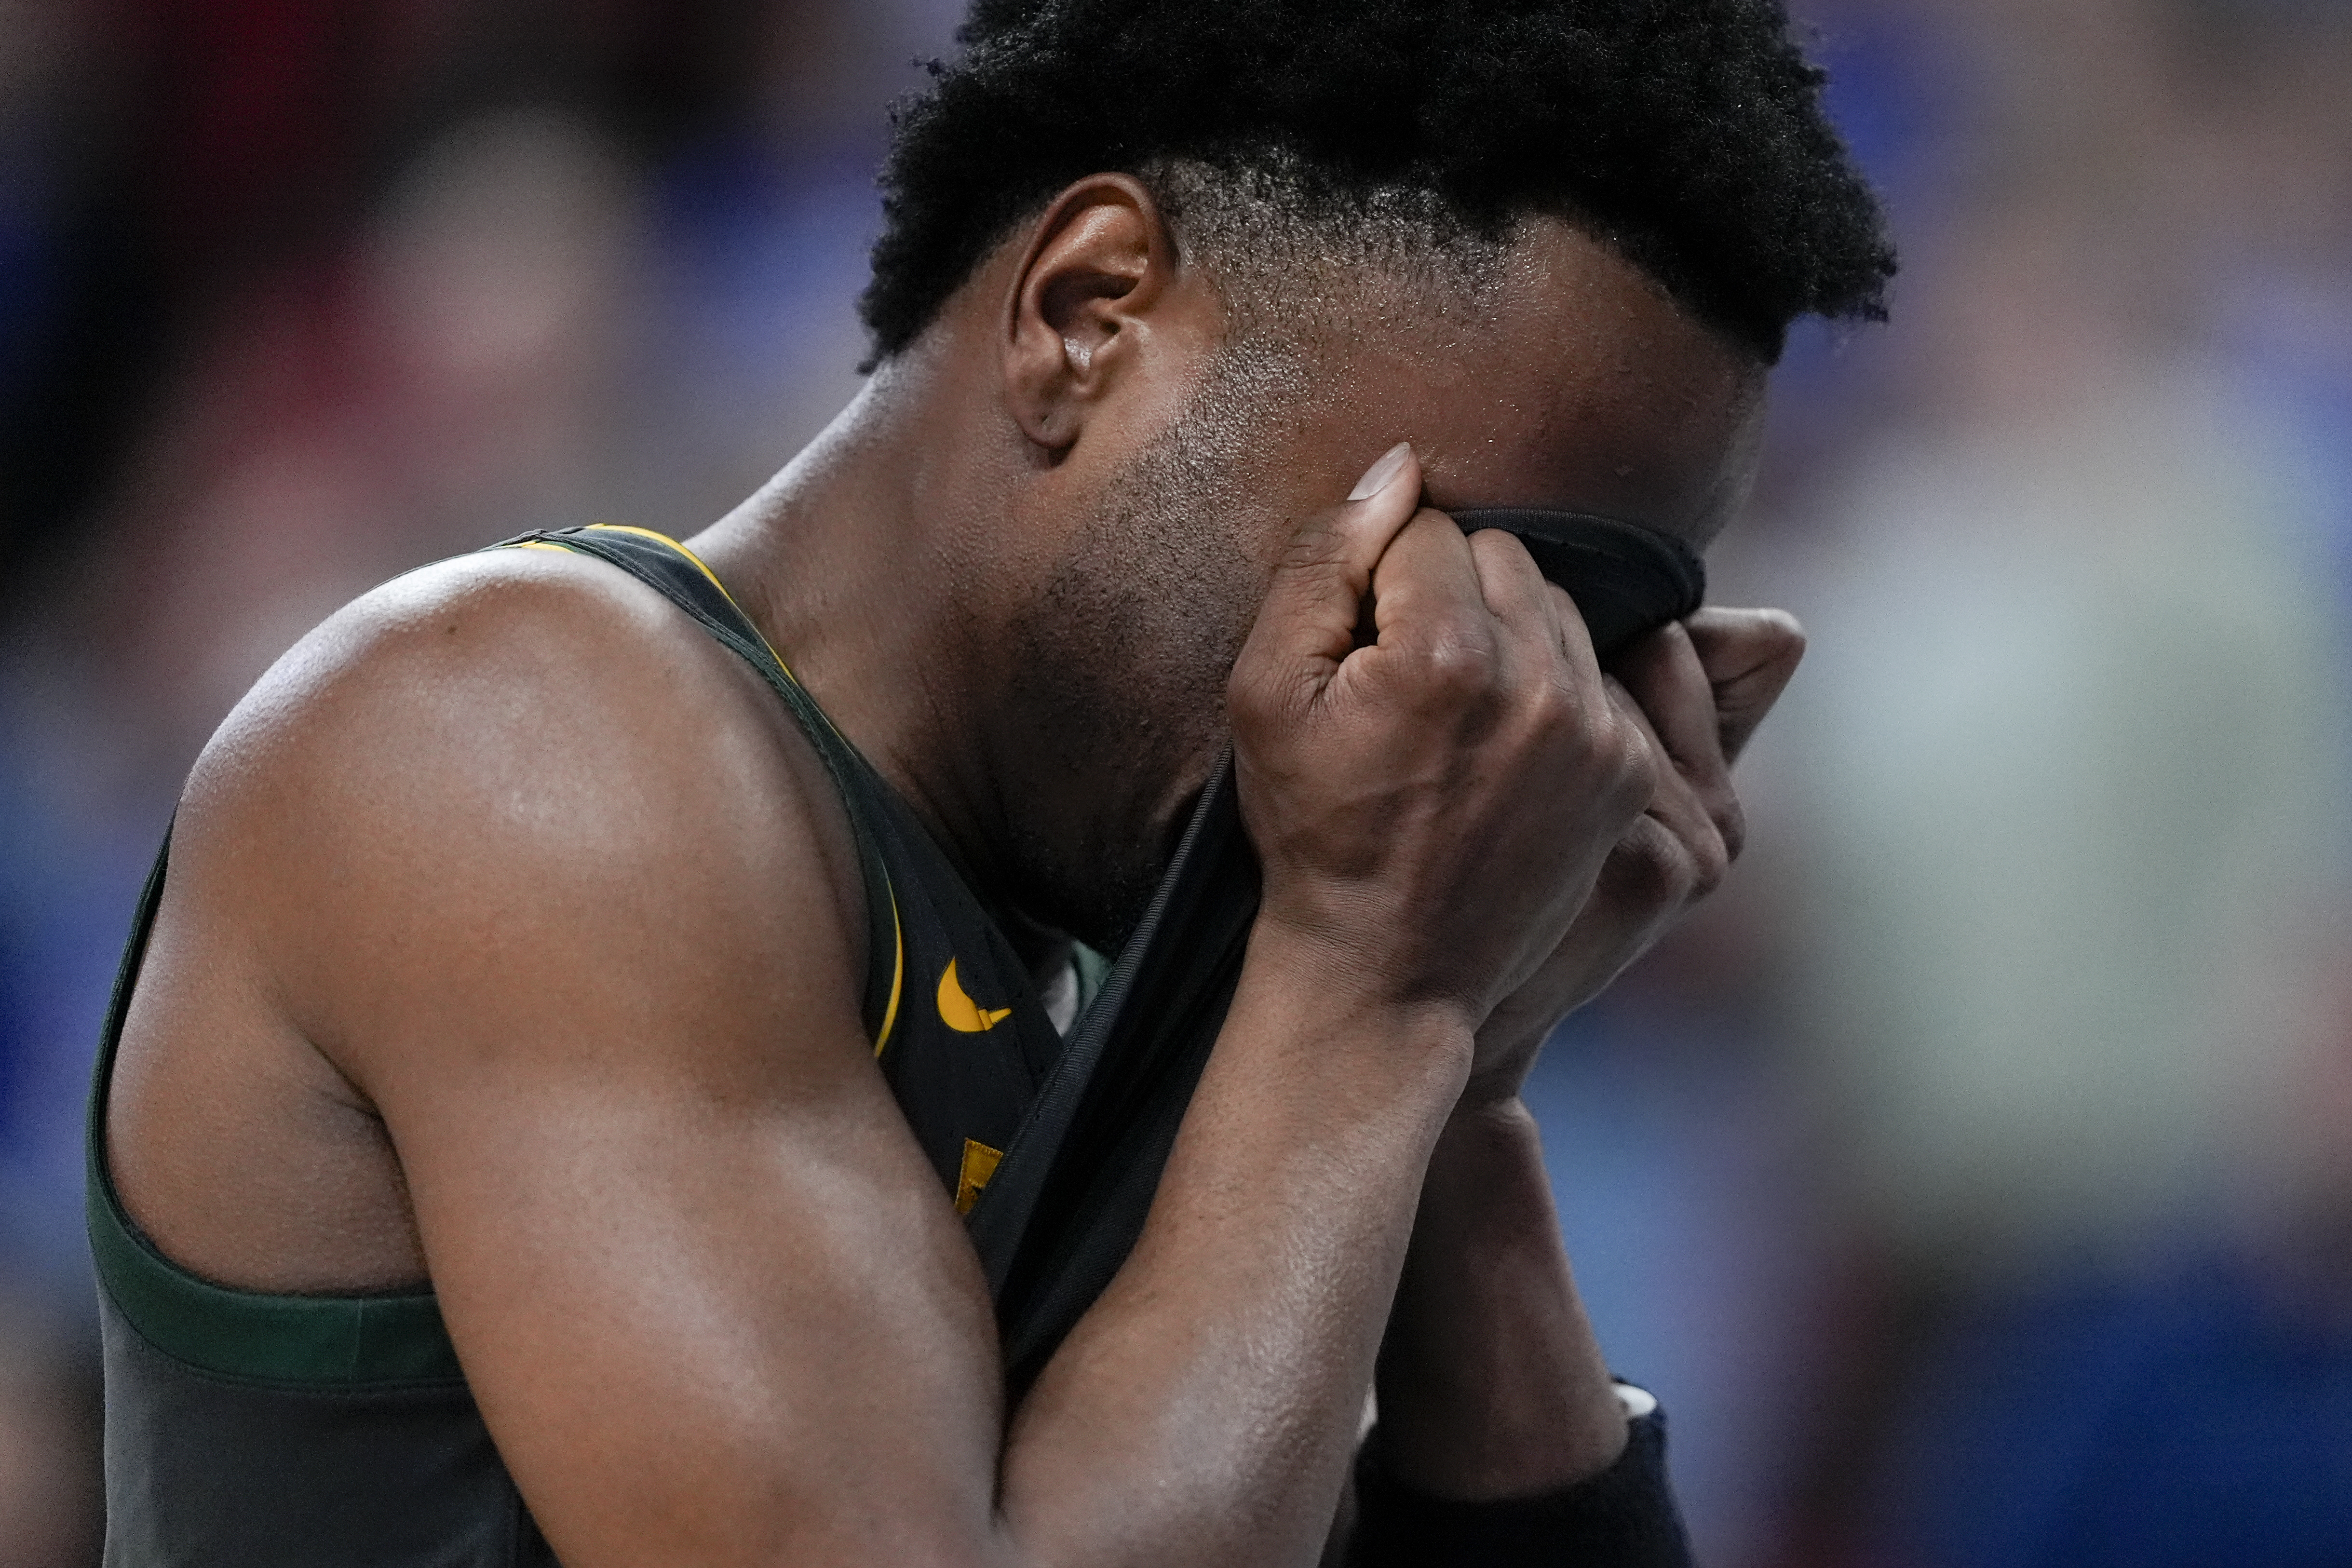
(1580, 386)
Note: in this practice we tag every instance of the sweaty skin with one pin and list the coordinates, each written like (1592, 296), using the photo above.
(487, 903)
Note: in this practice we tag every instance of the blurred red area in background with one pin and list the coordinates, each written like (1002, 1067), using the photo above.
(1971, 1180)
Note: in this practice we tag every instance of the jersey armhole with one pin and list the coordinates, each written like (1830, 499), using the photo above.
(240, 1335)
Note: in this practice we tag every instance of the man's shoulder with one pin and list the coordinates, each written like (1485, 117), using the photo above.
(483, 671)
(512, 736)
(459, 638)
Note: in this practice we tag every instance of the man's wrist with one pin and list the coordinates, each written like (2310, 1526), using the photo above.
(1491, 1385)
(1335, 995)
(1510, 1041)
(1624, 1513)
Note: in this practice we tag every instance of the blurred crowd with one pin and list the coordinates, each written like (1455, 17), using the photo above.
(1972, 1180)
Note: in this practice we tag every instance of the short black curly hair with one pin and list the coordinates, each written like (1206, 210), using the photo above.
(1688, 134)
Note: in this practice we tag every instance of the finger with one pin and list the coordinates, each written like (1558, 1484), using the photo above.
(1662, 676)
(1569, 622)
(1748, 656)
(1689, 834)
(1662, 670)
(1426, 591)
(1538, 616)
(1306, 623)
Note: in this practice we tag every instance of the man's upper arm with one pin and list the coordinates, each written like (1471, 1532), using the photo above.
(549, 884)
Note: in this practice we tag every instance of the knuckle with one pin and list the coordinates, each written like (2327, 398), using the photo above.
(1565, 726)
(1313, 546)
(1495, 550)
(1552, 708)
(1647, 872)
(1731, 827)
(1626, 752)
(1784, 630)
(1264, 700)
(1710, 861)
(1317, 581)
(1459, 662)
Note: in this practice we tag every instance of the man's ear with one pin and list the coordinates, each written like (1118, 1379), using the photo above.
(1078, 317)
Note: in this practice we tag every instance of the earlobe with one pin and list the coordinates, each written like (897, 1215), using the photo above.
(1077, 317)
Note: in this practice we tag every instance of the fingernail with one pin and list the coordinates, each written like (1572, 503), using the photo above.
(1376, 478)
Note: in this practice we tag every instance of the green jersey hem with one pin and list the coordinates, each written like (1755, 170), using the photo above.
(320, 1341)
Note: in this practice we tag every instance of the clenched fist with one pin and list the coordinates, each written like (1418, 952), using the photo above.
(1431, 766)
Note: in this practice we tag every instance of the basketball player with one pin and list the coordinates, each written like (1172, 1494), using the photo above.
(589, 979)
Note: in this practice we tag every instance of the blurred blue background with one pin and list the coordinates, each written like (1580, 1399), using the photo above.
(1972, 1179)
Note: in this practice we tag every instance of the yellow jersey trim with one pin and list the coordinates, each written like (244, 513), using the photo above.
(700, 565)
(897, 929)
(898, 972)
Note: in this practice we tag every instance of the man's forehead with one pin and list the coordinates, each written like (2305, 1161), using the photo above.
(1577, 382)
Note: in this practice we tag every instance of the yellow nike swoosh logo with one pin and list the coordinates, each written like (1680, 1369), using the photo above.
(960, 1012)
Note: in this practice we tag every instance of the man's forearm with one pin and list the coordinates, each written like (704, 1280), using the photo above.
(1491, 1385)
(1206, 1408)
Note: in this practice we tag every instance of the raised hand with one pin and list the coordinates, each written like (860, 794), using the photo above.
(1696, 691)
(1433, 806)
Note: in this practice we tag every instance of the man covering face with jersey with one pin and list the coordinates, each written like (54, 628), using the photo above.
(971, 1011)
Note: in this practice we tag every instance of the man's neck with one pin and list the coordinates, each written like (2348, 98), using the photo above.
(849, 559)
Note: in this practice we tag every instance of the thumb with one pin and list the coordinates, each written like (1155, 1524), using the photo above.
(1306, 623)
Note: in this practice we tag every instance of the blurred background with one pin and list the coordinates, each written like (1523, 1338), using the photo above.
(1972, 1180)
